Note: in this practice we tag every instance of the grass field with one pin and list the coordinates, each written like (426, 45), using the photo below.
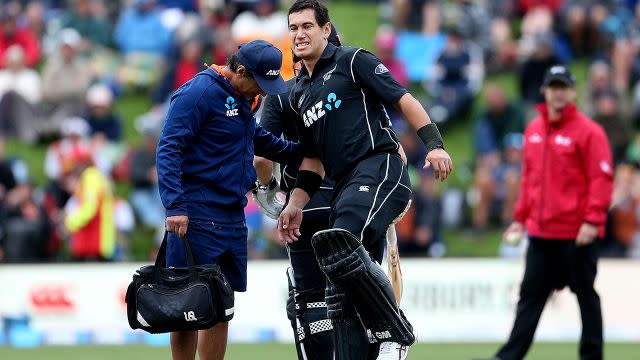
(544, 351)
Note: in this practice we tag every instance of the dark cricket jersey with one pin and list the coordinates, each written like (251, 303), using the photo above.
(279, 119)
(341, 109)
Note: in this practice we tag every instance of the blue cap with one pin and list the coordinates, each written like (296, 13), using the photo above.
(263, 60)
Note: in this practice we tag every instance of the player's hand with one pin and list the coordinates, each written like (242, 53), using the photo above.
(441, 163)
(514, 232)
(178, 224)
(289, 224)
(587, 234)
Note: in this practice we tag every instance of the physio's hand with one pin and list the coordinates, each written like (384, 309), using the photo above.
(441, 163)
(289, 224)
(587, 234)
(178, 224)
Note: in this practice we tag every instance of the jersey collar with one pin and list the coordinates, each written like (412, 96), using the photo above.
(327, 54)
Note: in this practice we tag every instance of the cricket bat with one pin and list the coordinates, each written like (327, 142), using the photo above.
(393, 262)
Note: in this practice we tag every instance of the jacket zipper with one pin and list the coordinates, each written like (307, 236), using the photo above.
(544, 173)
(244, 160)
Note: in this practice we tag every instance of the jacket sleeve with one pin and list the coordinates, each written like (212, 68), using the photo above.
(275, 149)
(599, 169)
(521, 212)
(184, 116)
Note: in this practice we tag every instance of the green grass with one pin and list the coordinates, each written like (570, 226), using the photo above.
(544, 351)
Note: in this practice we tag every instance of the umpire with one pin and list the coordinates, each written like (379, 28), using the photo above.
(565, 191)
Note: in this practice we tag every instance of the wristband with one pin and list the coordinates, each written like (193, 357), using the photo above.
(308, 181)
(431, 137)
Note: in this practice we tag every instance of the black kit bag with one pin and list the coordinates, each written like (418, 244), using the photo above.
(161, 299)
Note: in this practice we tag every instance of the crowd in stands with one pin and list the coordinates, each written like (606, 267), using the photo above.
(64, 65)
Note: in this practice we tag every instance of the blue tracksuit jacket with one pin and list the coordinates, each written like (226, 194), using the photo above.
(205, 152)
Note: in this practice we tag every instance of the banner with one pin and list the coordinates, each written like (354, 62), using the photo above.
(446, 300)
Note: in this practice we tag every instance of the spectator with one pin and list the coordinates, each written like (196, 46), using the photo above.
(26, 227)
(534, 67)
(452, 88)
(20, 93)
(144, 41)
(101, 117)
(624, 221)
(496, 147)
(7, 179)
(33, 18)
(425, 239)
(624, 29)
(552, 6)
(61, 158)
(63, 155)
(89, 214)
(11, 35)
(473, 22)
(501, 117)
(94, 30)
(583, 21)
(385, 42)
(610, 116)
(496, 185)
(145, 196)
(265, 21)
(186, 67)
(600, 81)
(66, 78)
(140, 30)
(184, 5)
(417, 16)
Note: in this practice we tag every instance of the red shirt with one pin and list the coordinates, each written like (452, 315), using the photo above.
(27, 41)
(185, 71)
(567, 175)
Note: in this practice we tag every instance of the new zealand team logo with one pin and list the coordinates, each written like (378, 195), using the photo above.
(231, 106)
(317, 111)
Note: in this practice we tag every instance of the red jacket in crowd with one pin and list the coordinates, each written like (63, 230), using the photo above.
(567, 175)
(27, 41)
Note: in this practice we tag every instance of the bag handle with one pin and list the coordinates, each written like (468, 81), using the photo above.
(161, 258)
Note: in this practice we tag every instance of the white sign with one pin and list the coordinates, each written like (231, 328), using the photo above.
(446, 300)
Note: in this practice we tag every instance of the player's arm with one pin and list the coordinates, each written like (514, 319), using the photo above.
(308, 182)
(368, 71)
(186, 112)
(598, 159)
(274, 148)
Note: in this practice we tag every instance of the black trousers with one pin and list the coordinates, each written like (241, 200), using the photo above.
(553, 264)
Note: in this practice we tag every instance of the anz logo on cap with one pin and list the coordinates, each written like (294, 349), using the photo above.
(273, 72)
(558, 69)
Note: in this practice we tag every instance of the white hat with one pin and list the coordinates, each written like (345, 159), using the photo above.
(75, 126)
(69, 37)
(99, 95)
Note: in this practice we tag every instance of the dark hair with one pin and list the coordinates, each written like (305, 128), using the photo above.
(233, 62)
(320, 10)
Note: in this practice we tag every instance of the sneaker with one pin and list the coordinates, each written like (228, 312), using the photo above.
(392, 351)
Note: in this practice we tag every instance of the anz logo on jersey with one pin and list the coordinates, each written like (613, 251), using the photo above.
(231, 106)
(317, 111)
